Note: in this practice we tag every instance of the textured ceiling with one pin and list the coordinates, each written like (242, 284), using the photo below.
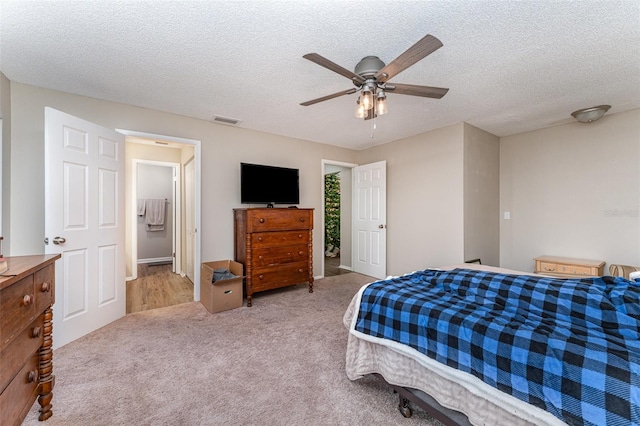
(511, 66)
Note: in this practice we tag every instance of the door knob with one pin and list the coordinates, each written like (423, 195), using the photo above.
(379, 226)
(59, 240)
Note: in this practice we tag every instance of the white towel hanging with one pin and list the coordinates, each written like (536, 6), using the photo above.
(154, 214)
(141, 202)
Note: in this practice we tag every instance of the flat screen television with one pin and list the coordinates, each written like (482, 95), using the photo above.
(268, 184)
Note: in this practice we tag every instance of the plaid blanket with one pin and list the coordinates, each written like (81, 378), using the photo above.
(568, 346)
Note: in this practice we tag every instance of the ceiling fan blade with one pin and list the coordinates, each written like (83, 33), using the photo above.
(324, 62)
(413, 90)
(326, 98)
(426, 46)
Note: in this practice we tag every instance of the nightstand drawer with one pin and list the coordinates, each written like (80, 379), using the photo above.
(547, 267)
(575, 270)
(568, 267)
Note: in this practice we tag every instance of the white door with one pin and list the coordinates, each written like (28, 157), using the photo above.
(370, 219)
(190, 219)
(84, 221)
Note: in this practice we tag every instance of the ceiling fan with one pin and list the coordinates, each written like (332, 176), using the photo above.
(371, 77)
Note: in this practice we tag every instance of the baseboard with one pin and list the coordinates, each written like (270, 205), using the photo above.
(156, 259)
(347, 268)
(318, 277)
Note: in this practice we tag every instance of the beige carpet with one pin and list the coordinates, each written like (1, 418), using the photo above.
(280, 362)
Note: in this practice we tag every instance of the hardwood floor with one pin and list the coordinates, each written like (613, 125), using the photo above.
(331, 266)
(157, 287)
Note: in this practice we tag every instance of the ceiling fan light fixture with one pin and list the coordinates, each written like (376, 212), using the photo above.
(381, 103)
(360, 111)
(589, 115)
(366, 98)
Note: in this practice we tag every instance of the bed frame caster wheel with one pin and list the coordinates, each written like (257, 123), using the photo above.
(404, 408)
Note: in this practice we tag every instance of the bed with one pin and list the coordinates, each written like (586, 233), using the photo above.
(502, 347)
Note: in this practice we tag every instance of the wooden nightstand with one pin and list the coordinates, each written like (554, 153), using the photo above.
(568, 267)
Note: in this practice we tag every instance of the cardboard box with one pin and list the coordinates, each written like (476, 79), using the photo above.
(221, 295)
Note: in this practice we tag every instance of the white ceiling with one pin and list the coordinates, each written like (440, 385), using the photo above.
(511, 66)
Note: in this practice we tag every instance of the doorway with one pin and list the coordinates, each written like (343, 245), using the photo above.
(336, 217)
(161, 262)
(159, 283)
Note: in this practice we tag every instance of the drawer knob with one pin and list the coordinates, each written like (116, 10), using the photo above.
(260, 276)
(261, 220)
(299, 235)
(27, 299)
(33, 376)
(300, 253)
(259, 238)
(260, 257)
(301, 270)
(46, 287)
(302, 219)
(37, 331)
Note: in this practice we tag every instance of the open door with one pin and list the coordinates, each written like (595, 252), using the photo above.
(84, 222)
(190, 217)
(370, 219)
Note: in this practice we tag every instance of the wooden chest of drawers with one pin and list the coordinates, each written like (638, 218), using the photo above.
(26, 295)
(275, 246)
(568, 267)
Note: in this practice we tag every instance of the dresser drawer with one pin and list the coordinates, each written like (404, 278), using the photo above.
(44, 287)
(17, 304)
(280, 255)
(277, 239)
(273, 277)
(23, 346)
(18, 397)
(278, 219)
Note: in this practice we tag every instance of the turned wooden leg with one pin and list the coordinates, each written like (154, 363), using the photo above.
(45, 367)
(311, 285)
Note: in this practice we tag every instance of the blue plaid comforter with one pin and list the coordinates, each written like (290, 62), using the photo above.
(568, 346)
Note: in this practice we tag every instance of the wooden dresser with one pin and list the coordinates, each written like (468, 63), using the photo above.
(27, 292)
(568, 267)
(275, 246)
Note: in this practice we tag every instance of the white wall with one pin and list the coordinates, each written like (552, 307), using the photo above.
(572, 190)
(424, 199)
(481, 196)
(5, 189)
(223, 148)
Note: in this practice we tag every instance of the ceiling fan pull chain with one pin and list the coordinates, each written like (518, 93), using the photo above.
(373, 126)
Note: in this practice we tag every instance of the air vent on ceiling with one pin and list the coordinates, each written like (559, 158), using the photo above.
(225, 120)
